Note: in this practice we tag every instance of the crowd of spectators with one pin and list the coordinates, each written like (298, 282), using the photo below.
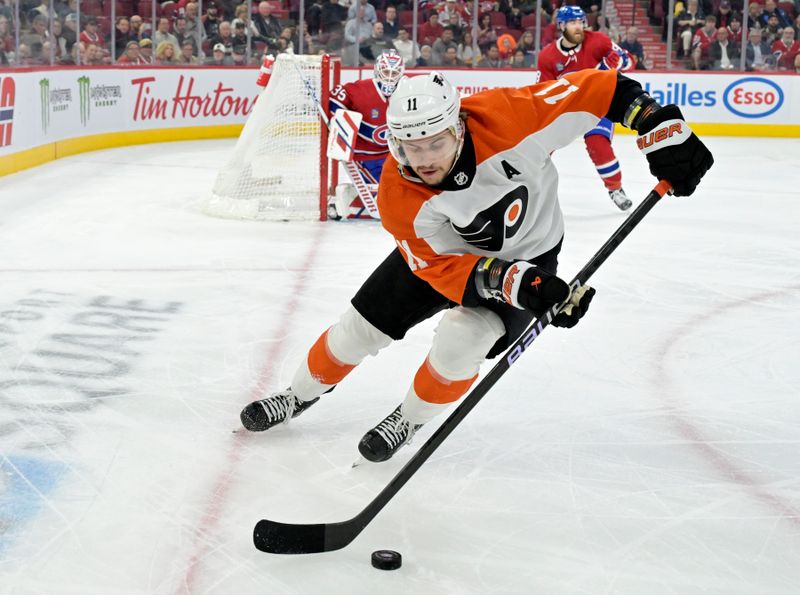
(708, 33)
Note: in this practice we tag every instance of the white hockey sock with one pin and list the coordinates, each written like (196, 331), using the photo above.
(463, 338)
(336, 353)
(418, 411)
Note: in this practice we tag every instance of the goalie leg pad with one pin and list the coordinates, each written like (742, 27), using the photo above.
(360, 176)
(345, 195)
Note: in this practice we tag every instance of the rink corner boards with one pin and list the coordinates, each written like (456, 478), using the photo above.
(28, 158)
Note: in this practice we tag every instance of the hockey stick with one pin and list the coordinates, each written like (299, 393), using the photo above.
(284, 538)
(364, 193)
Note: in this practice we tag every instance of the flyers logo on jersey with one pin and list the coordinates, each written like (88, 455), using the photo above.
(491, 227)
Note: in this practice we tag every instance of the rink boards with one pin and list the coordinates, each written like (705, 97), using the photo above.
(48, 113)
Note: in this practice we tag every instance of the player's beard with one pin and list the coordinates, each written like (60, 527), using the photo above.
(574, 38)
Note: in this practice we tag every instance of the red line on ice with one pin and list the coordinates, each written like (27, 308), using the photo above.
(219, 492)
(689, 430)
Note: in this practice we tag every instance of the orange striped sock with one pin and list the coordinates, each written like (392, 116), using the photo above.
(325, 368)
(432, 387)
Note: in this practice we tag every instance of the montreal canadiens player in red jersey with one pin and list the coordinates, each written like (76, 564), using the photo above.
(578, 49)
(469, 194)
(369, 97)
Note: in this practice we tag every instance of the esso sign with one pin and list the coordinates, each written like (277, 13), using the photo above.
(753, 97)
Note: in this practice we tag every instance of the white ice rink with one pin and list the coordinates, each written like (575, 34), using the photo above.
(654, 449)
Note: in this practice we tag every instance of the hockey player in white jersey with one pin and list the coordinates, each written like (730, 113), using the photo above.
(470, 197)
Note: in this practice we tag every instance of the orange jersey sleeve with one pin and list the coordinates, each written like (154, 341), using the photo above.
(517, 113)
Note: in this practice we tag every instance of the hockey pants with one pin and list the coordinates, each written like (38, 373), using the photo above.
(388, 304)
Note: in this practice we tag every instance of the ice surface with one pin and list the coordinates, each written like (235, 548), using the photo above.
(651, 450)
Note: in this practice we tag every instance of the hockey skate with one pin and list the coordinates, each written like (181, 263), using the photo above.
(278, 408)
(385, 439)
(620, 199)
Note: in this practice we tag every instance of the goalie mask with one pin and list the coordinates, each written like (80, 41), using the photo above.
(420, 108)
(389, 70)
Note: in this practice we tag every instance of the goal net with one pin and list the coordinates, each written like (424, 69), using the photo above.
(278, 169)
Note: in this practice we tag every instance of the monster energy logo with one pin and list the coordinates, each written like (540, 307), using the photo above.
(83, 88)
(52, 100)
(44, 95)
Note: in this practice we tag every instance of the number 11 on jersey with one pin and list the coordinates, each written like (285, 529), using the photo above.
(570, 88)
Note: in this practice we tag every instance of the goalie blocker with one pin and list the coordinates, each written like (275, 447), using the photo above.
(343, 133)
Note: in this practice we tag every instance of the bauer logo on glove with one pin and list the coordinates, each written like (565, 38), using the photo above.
(670, 133)
(510, 288)
(673, 151)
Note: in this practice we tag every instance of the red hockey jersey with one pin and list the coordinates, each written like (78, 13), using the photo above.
(555, 61)
(365, 98)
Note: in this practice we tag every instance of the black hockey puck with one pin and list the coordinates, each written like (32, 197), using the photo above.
(387, 560)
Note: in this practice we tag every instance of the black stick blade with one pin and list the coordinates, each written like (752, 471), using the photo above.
(281, 538)
(284, 538)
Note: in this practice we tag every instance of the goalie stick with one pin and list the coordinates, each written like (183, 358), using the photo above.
(286, 538)
(367, 199)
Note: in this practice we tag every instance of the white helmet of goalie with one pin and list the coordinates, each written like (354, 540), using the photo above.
(421, 107)
(389, 69)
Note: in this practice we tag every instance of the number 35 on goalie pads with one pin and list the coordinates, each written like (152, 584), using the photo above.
(343, 133)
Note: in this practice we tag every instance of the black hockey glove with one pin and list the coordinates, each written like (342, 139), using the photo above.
(528, 287)
(674, 152)
(578, 305)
